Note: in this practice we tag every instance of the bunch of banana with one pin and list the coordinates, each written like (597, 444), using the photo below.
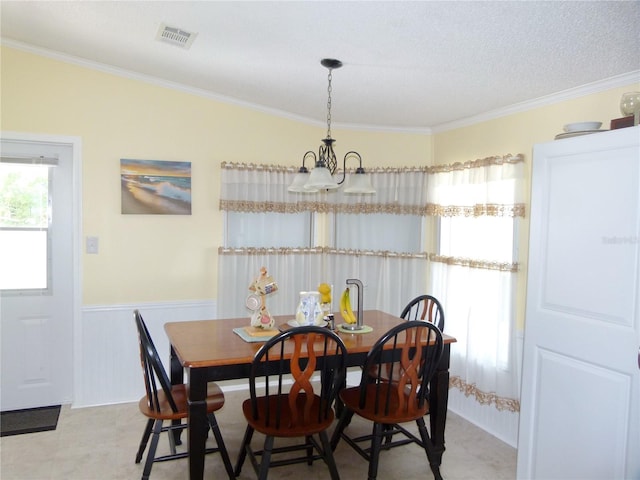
(345, 307)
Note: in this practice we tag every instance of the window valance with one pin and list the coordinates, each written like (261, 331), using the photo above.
(491, 186)
(263, 188)
(485, 187)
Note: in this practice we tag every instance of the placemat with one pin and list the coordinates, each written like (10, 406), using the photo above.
(364, 329)
(242, 333)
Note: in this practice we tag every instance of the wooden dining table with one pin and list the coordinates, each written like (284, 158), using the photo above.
(210, 350)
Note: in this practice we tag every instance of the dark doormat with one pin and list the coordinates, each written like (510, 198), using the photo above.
(30, 420)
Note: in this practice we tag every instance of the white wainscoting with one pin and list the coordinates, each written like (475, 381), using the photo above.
(108, 361)
(108, 366)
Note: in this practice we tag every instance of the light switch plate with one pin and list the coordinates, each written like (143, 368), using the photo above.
(92, 245)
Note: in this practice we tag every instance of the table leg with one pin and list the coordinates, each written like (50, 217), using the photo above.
(176, 373)
(438, 399)
(197, 422)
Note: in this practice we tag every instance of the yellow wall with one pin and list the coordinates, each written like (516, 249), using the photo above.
(518, 133)
(147, 258)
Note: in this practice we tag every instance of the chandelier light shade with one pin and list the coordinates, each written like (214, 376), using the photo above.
(302, 178)
(320, 179)
(358, 182)
(326, 163)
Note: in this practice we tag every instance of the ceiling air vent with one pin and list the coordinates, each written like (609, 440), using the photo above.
(175, 36)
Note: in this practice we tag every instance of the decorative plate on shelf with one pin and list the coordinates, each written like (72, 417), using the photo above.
(582, 126)
(577, 133)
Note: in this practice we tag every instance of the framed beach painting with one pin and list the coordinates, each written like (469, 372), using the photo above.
(155, 187)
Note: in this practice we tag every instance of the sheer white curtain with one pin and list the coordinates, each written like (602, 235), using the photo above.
(247, 187)
(398, 190)
(474, 273)
(391, 275)
(390, 280)
(292, 269)
(264, 241)
(379, 238)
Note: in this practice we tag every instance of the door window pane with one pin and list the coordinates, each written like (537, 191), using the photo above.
(24, 222)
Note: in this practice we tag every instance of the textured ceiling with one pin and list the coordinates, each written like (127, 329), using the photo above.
(407, 65)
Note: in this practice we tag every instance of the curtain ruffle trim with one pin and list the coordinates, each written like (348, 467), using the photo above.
(484, 398)
(270, 251)
(473, 263)
(490, 210)
(264, 167)
(464, 262)
(317, 250)
(479, 210)
(478, 163)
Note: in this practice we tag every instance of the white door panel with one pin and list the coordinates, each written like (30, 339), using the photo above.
(37, 325)
(569, 422)
(580, 405)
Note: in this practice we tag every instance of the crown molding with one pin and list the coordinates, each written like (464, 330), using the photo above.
(121, 72)
(569, 94)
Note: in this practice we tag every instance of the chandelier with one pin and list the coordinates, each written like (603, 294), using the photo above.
(325, 163)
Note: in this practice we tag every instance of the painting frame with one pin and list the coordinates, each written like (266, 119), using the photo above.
(155, 187)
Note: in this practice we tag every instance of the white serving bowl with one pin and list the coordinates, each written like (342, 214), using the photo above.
(582, 126)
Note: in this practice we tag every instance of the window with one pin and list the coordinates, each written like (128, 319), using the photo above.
(24, 224)
(305, 239)
(379, 232)
(488, 238)
(253, 230)
(474, 273)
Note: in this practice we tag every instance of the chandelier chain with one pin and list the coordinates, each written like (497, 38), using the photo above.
(329, 106)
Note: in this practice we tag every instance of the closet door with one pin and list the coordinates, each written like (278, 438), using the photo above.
(580, 403)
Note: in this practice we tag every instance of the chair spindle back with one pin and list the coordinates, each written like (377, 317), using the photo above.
(404, 360)
(152, 368)
(302, 352)
(425, 308)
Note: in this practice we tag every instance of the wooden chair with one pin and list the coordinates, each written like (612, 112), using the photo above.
(168, 402)
(413, 349)
(426, 308)
(298, 409)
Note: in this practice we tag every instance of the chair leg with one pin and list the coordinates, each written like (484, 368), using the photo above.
(172, 442)
(213, 423)
(265, 461)
(246, 441)
(428, 448)
(328, 456)
(376, 442)
(345, 419)
(157, 429)
(388, 436)
(144, 440)
(307, 440)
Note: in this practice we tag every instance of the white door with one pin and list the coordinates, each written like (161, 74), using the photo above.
(37, 297)
(580, 405)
